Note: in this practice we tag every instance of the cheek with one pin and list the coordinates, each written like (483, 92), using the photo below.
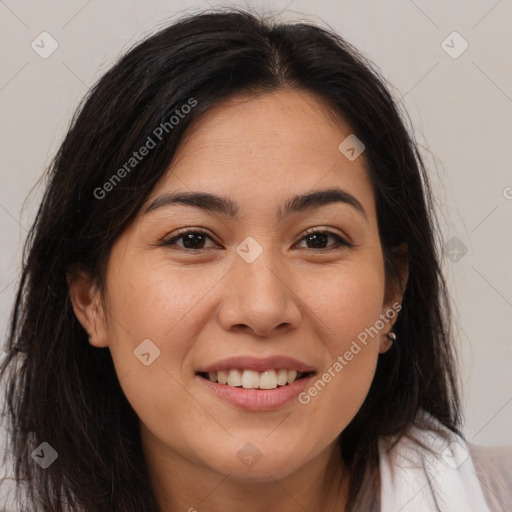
(153, 323)
(160, 302)
(347, 309)
(345, 303)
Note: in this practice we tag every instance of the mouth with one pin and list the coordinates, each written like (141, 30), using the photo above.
(250, 379)
(255, 391)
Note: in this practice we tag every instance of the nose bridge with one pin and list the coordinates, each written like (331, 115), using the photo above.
(263, 278)
(261, 275)
(259, 296)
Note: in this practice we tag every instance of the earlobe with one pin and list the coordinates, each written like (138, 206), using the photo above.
(386, 342)
(394, 295)
(86, 301)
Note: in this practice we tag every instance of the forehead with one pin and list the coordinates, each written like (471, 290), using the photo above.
(264, 146)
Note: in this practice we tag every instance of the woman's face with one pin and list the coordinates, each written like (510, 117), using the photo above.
(255, 284)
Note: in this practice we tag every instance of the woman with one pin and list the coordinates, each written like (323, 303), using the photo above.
(231, 297)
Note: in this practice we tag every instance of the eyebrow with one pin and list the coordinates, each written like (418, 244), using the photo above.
(226, 206)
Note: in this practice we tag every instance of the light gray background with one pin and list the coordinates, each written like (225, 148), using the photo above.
(461, 110)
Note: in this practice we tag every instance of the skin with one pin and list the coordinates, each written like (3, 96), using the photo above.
(200, 307)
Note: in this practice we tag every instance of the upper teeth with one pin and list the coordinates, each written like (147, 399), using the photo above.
(250, 379)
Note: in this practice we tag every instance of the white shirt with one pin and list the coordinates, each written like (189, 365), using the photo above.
(456, 477)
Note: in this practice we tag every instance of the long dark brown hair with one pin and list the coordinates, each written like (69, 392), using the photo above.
(63, 391)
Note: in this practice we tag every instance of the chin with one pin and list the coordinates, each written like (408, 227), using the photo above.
(252, 466)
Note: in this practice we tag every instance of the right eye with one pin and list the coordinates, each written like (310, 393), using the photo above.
(192, 239)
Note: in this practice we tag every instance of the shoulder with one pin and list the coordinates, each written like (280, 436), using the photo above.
(429, 464)
(493, 467)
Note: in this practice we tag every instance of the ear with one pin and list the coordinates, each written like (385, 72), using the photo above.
(394, 293)
(87, 305)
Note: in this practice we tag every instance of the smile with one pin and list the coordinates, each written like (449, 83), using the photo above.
(250, 379)
(255, 398)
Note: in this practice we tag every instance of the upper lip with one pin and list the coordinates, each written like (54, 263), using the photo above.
(257, 364)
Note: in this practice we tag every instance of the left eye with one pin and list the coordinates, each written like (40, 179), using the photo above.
(318, 240)
(315, 240)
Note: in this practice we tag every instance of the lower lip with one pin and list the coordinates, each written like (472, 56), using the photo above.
(257, 399)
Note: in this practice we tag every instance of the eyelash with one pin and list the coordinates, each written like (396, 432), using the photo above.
(341, 242)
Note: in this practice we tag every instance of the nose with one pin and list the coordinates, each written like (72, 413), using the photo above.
(258, 298)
